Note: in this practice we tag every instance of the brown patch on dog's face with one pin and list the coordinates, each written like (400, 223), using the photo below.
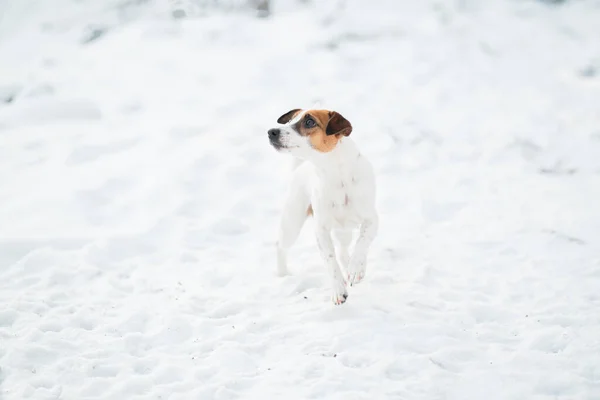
(323, 128)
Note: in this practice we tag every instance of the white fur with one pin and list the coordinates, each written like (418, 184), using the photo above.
(340, 187)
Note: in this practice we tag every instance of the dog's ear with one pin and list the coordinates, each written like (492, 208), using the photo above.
(285, 118)
(338, 125)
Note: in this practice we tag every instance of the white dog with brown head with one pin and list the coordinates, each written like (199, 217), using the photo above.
(334, 183)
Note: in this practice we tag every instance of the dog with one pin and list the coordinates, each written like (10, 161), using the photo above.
(335, 184)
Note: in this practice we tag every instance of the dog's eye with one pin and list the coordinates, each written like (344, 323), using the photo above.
(310, 123)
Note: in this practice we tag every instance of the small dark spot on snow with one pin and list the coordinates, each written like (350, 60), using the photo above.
(553, 2)
(487, 49)
(566, 237)
(93, 34)
(262, 8)
(305, 297)
(179, 14)
(558, 171)
(437, 363)
(332, 45)
(8, 94)
(334, 355)
(588, 71)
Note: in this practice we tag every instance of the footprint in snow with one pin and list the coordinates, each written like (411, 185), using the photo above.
(167, 374)
(144, 366)
(102, 371)
(41, 382)
(7, 318)
(89, 153)
(40, 355)
(441, 212)
(356, 361)
(226, 310)
(51, 326)
(551, 342)
(96, 387)
(229, 227)
(186, 132)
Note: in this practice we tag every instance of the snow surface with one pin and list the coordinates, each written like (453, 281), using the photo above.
(139, 200)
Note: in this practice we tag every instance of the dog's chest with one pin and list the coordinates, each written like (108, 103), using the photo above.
(340, 200)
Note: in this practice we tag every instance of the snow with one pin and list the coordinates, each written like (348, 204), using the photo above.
(139, 201)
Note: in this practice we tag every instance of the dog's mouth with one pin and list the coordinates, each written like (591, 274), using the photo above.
(278, 146)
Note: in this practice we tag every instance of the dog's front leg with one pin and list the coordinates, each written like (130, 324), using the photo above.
(358, 262)
(325, 243)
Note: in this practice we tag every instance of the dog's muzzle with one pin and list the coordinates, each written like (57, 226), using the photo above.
(274, 135)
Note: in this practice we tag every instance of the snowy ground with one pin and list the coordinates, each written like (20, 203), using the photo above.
(139, 199)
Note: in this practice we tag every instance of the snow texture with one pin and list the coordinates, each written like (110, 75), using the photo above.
(139, 201)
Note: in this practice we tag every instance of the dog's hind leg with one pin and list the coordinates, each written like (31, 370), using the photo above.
(295, 211)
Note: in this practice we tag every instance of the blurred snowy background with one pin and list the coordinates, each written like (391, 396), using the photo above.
(139, 199)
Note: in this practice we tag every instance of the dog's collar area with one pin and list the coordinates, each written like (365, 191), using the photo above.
(342, 157)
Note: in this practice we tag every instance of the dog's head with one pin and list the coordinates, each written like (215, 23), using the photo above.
(303, 133)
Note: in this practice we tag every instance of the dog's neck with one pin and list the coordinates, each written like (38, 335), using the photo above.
(338, 162)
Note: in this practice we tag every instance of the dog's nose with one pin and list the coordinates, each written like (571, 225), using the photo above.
(274, 133)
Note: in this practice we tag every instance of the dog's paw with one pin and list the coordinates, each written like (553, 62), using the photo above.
(339, 298)
(340, 294)
(356, 270)
(356, 277)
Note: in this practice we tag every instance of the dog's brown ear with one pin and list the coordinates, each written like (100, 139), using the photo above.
(338, 125)
(285, 118)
